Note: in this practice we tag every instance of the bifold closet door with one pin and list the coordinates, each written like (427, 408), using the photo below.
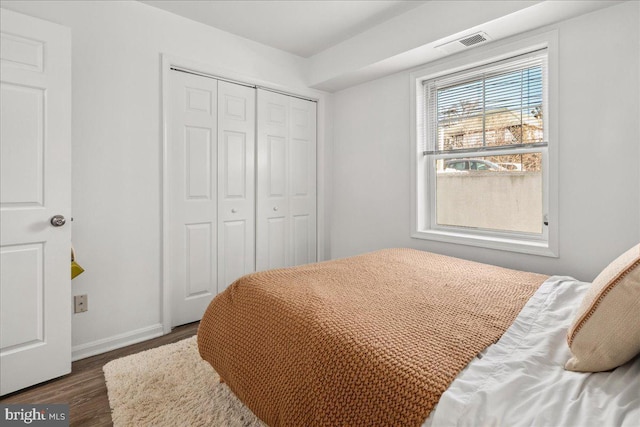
(210, 174)
(236, 182)
(286, 185)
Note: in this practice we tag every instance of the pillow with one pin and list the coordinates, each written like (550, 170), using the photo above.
(606, 331)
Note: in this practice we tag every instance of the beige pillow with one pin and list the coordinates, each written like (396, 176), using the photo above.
(606, 331)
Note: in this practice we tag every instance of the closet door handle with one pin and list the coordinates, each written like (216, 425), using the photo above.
(275, 208)
(234, 210)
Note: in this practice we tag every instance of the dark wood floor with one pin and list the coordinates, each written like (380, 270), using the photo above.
(84, 388)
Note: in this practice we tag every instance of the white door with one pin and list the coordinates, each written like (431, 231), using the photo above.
(211, 222)
(35, 185)
(236, 182)
(193, 193)
(286, 181)
(302, 181)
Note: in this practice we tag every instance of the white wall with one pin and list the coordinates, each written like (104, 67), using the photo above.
(599, 148)
(117, 149)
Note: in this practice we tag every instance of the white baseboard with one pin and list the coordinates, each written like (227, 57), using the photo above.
(117, 341)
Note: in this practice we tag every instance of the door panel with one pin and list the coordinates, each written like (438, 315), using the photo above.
(286, 193)
(35, 168)
(234, 165)
(210, 169)
(198, 260)
(198, 162)
(300, 157)
(236, 184)
(277, 167)
(21, 165)
(22, 305)
(192, 213)
(234, 236)
(301, 246)
(303, 181)
(276, 243)
(22, 52)
(272, 205)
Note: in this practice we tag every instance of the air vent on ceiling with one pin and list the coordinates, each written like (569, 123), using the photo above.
(474, 39)
(464, 43)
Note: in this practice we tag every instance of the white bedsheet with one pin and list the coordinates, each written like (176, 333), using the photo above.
(521, 380)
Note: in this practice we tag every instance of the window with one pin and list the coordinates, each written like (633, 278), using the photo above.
(482, 159)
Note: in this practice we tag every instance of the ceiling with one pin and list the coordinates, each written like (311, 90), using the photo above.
(301, 27)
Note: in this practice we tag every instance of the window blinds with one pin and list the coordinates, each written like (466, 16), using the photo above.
(495, 106)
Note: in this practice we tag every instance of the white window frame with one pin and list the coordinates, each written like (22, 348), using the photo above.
(423, 170)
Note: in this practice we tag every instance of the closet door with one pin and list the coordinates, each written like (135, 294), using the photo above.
(211, 190)
(302, 181)
(236, 182)
(286, 184)
(192, 159)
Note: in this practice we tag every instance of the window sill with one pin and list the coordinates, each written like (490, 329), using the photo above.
(531, 247)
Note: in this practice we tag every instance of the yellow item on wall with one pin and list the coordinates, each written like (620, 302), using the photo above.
(76, 269)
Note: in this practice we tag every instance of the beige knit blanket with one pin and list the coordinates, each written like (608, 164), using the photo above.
(372, 340)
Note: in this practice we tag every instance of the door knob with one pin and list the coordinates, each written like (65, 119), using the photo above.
(234, 210)
(275, 208)
(58, 221)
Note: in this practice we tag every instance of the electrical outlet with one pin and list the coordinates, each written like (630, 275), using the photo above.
(81, 303)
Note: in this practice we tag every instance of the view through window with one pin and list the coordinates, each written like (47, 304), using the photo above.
(485, 142)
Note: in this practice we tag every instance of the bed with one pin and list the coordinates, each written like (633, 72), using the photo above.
(405, 337)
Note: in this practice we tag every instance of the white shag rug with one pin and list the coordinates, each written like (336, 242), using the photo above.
(172, 386)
